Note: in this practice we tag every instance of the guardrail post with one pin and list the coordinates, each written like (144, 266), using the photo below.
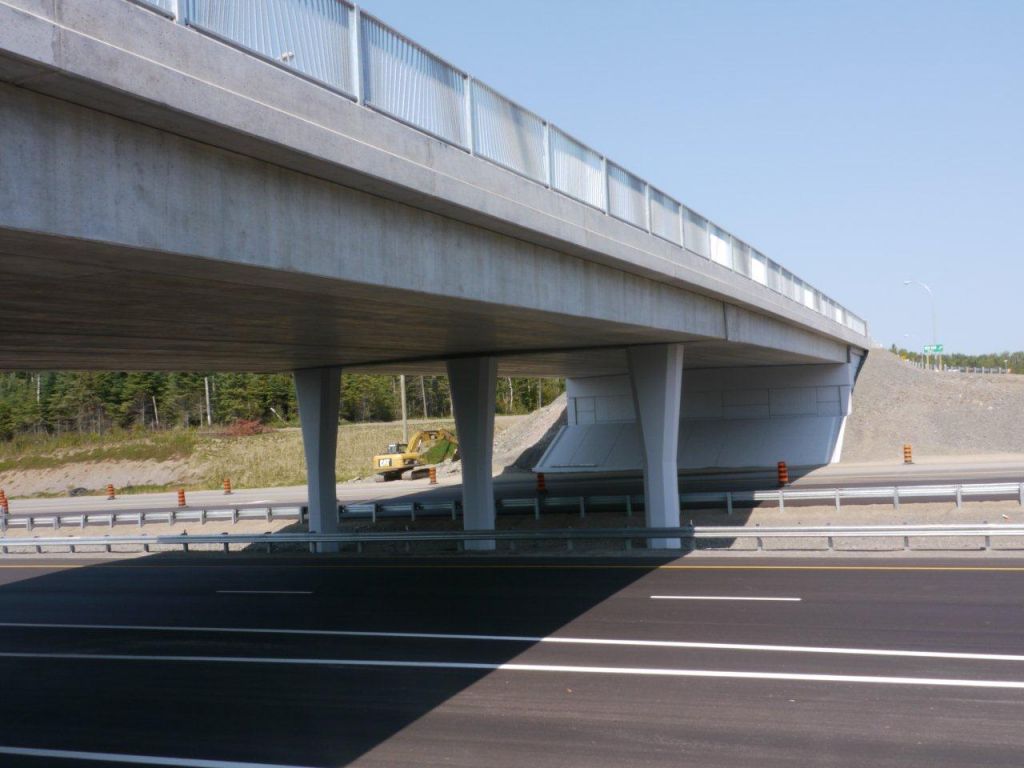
(1020, 494)
(453, 509)
(782, 502)
(412, 512)
(56, 521)
(171, 517)
(568, 545)
(896, 497)
(837, 499)
(110, 521)
(373, 512)
(536, 509)
(141, 518)
(29, 523)
(906, 543)
(728, 502)
(202, 517)
(3, 523)
(629, 545)
(583, 506)
(959, 496)
(82, 520)
(270, 514)
(234, 515)
(988, 540)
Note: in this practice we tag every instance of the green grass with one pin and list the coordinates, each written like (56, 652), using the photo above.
(266, 460)
(47, 451)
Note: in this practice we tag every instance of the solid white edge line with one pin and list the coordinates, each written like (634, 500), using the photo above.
(710, 597)
(566, 668)
(113, 757)
(964, 655)
(264, 592)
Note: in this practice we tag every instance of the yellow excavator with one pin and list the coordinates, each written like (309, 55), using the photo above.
(428, 446)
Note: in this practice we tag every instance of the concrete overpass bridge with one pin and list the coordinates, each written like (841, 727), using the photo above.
(188, 185)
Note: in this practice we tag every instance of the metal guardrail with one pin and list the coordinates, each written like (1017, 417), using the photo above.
(536, 505)
(335, 44)
(686, 536)
(167, 517)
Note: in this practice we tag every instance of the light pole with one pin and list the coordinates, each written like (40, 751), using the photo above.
(935, 333)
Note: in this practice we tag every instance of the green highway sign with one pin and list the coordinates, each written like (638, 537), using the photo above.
(933, 349)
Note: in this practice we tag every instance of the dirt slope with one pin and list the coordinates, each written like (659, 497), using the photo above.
(939, 414)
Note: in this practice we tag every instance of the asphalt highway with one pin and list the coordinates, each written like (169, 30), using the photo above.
(521, 485)
(326, 662)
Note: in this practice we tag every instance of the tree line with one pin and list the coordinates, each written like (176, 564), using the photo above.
(1012, 360)
(85, 402)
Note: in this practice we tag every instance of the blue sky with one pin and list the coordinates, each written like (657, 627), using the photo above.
(858, 143)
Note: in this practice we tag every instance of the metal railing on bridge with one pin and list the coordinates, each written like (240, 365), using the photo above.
(339, 46)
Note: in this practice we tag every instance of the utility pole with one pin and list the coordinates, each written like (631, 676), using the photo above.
(405, 415)
(209, 416)
(935, 332)
(423, 394)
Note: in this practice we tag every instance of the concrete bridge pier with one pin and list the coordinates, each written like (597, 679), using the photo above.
(656, 375)
(472, 382)
(319, 395)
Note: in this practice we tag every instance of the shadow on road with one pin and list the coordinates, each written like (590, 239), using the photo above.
(293, 714)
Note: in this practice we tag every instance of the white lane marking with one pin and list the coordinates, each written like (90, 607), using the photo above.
(715, 597)
(264, 592)
(112, 757)
(467, 665)
(527, 639)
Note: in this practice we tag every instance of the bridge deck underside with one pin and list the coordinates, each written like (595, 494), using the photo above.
(69, 304)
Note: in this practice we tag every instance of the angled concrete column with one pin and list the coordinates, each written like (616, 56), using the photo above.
(472, 382)
(319, 395)
(656, 373)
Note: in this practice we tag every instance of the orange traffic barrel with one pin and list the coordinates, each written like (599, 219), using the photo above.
(432, 472)
(3, 502)
(783, 473)
(110, 492)
(542, 486)
(227, 486)
(181, 497)
(908, 454)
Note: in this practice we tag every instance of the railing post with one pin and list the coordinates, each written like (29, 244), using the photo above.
(536, 508)
(837, 499)
(896, 497)
(467, 82)
(547, 154)
(629, 502)
(959, 496)
(356, 56)
(782, 500)
(583, 506)
(728, 502)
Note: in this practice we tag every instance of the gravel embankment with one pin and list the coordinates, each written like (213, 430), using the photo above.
(939, 414)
